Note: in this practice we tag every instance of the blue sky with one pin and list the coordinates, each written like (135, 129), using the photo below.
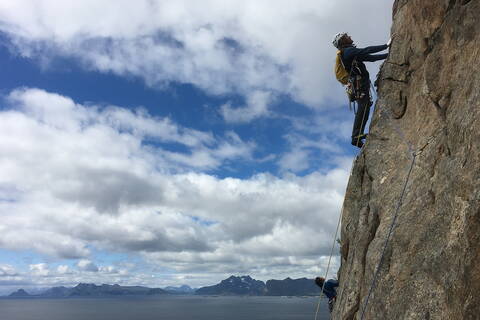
(194, 142)
(182, 102)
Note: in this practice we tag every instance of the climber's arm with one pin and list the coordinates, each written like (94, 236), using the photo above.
(363, 53)
(371, 49)
(333, 283)
(375, 57)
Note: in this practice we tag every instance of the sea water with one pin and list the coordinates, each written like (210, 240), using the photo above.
(164, 308)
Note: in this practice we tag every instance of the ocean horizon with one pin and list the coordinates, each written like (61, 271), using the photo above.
(164, 308)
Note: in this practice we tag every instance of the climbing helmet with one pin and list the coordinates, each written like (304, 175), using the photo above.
(337, 37)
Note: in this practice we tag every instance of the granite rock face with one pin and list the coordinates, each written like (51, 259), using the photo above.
(428, 110)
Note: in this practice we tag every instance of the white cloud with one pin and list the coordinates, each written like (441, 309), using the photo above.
(86, 180)
(108, 270)
(257, 106)
(87, 265)
(63, 269)
(41, 276)
(296, 160)
(222, 47)
(40, 269)
(75, 177)
(7, 270)
(313, 139)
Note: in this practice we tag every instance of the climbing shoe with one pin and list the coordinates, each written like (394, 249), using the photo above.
(357, 141)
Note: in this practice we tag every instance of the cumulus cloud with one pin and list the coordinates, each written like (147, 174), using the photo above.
(87, 265)
(40, 269)
(243, 47)
(63, 269)
(296, 160)
(80, 177)
(108, 270)
(7, 270)
(313, 138)
(41, 276)
(257, 106)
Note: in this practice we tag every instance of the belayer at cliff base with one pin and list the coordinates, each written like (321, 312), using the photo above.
(328, 289)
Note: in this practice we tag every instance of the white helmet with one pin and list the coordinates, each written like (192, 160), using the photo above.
(337, 38)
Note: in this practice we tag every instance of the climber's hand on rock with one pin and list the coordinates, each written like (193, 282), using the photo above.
(389, 43)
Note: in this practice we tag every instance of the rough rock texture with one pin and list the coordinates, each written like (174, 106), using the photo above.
(429, 103)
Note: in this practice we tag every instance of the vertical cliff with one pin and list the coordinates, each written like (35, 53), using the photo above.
(428, 110)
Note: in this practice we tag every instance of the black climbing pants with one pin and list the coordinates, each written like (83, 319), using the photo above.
(361, 116)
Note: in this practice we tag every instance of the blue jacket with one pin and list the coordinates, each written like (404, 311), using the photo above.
(329, 288)
(362, 54)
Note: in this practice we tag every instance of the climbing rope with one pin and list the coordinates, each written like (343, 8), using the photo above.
(340, 216)
(399, 204)
(392, 225)
(333, 246)
(397, 209)
(328, 265)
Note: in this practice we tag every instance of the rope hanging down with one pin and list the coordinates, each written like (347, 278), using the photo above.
(333, 246)
(328, 265)
(392, 225)
(399, 204)
(338, 223)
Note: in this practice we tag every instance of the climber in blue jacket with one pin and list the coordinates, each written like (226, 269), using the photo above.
(328, 290)
(353, 58)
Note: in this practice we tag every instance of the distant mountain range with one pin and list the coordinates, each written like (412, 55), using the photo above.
(235, 286)
(244, 285)
(180, 290)
(292, 287)
(91, 290)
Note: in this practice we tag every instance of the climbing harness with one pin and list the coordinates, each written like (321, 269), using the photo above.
(350, 79)
(354, 85)
(370, 103)
(356, 94)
